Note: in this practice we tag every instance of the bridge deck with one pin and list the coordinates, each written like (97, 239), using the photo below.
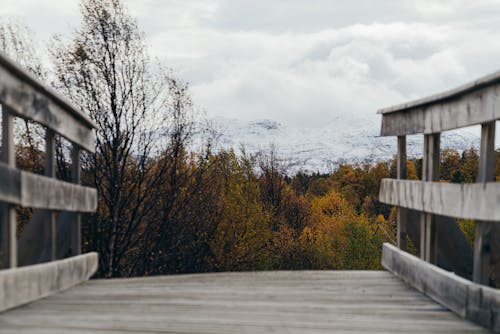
(261, 302)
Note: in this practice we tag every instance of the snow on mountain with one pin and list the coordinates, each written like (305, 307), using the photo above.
(339, 141)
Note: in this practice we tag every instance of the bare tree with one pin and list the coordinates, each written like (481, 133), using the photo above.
(106, 71)
(272, 184)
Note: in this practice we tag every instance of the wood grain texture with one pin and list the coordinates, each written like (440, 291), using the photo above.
(469, 300)
(468, 201)
(29, 98)
(402, 214)
(476, 102)
(19, 286)
(251, 302)
(36, 191)
(474, 107)
(430, 172)
(8, 216)
(485, 235)
(485, 81)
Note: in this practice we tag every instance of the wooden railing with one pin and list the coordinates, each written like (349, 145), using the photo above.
(439, 240)
(22, 95)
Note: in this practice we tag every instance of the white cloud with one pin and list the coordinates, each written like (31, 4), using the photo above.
(303, 78)
(303, 62)
(44, 17)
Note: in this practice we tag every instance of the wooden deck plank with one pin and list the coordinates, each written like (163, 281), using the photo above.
(257, 302)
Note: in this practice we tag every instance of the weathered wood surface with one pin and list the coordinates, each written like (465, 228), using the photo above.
(36, 191)
(29, 98)
(469, 201)
(74, 221)
(259, 302)
(472, 301)
(8, 223)
(402, 214)
(430, 172)
(19, 286)
(474, 103)
(486, 235)
(50, 172)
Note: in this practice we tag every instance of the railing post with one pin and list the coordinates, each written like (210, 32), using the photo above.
(430, 172)
(401, 174)
(76, 238)
(8, 211)
(50, 171)
(484, 230)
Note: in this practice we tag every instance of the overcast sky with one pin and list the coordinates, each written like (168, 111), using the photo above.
(301, 62)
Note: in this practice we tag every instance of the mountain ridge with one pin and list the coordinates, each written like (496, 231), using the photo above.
(341, 140)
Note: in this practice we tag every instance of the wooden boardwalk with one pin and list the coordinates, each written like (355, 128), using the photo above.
(256, 302)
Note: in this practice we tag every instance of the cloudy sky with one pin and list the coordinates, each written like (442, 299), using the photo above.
(302, 62)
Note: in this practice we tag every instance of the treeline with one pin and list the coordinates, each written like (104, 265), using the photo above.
(229, 211)
(226, 211)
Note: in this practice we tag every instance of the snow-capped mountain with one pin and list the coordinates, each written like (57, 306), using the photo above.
(321, 149)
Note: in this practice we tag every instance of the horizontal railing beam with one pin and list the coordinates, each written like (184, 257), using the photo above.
(36, 191)
(468, 300)
(23, 285)
(30, 99)
(471, 104)
(468, 201)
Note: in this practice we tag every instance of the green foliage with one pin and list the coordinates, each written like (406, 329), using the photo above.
(468, 227)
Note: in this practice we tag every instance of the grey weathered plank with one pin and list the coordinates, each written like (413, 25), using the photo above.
(485, 234)
(474, 103)
(75, 220)
(443, 286)
(430, 172)
(468, 201)
(19, 286)
(485, 81)
(469, 300)
(7, 211)
(50, 171)
(31, 99)
(402, 214)
(36, 191)
(255, 302)
(43, 192)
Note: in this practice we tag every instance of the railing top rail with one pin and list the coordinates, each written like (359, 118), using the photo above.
(477, 102)
(488, 80)
(43, 88)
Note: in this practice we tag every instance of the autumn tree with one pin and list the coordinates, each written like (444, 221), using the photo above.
(450, 165)
(185, 213)
(469, 166)
(244, 226)
(272, 184)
